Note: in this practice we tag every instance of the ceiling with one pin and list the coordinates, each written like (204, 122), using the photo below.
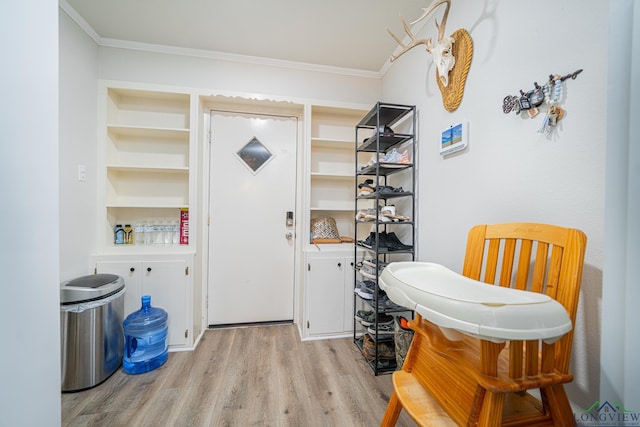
(348, 34)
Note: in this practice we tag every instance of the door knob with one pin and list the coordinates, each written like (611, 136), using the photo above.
(289, 235)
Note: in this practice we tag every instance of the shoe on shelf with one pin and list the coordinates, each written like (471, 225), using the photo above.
(364, 213)
(384, 319)
(366, 289)
(385, 190)
(394, 243)
(365, 317)
(365, 191)
(383, 330)
(384, 303)
(404, 158)
(374, 160)
(385, 350)
(389, 211)
(369, 242)
(391, 157)
(368, 268)
(368, 318)
(365, 188)
(386, 130)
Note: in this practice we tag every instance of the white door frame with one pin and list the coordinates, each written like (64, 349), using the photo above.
(297, 111)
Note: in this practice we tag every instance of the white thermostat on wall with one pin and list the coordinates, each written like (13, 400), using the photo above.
(453, 138)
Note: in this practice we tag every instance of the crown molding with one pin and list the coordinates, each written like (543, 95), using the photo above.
(208, 54)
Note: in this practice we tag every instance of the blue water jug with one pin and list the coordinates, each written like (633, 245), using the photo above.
(145, 336)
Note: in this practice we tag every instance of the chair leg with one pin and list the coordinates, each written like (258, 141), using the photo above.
(555, 399)
(492, 410)
(392, 412)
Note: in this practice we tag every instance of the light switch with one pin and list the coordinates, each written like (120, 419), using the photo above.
(82, 173)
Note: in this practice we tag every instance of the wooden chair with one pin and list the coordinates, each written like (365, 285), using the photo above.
(476, 382)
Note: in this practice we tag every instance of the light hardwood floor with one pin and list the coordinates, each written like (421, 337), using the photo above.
(254, 376)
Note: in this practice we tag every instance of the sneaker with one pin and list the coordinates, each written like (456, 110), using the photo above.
(366, 289)
(404, 158)
(370, 241)
(391, 157)
(385, 303)
(374, 159)
(368, 268)
(365, 317)
(385, 190)
(386, 329)
(368, 318)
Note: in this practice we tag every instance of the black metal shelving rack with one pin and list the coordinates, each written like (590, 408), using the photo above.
(378, 125)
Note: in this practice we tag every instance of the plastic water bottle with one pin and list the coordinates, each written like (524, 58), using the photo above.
(138, 233)
(145, 336)
(119, 235)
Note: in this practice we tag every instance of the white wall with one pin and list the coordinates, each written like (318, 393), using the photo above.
(29, 305)
(510, 172)
(78, 133)
(620, 374)
(234, 77)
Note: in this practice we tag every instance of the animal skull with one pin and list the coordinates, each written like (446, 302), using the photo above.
(443, 57)
(442, 51)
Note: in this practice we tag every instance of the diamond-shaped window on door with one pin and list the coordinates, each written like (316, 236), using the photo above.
(254, 155)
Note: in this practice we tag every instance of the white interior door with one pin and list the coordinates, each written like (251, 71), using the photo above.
(251, 246)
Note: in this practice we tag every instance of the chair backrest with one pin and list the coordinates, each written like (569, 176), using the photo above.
(534, 257)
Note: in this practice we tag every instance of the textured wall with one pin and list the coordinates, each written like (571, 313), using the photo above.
(509, 171)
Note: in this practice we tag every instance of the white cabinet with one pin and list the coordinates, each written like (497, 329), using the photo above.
(166, 278)
(329, 294)
(144, 161)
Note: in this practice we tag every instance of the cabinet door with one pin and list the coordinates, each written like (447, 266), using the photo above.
(131, 272)
(166, 282)
(325, 295)
(348, 296)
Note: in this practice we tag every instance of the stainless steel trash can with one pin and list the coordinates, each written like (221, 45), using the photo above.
(91, 333)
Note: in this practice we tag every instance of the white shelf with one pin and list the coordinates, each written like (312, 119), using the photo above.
(336, 144)
(332, 176)
(332, 165)
(146, 157)
(157, 132)
(147, 169)
(148, 109)
(332, 208)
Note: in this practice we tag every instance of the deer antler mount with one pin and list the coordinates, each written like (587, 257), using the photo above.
(451, 54)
